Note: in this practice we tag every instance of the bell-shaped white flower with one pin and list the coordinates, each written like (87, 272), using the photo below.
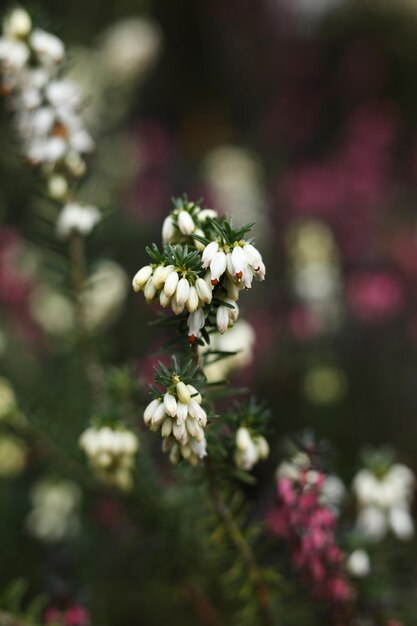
(209, 251)
(358, 564)
(150, 410)
(217, 267)
(183, 392)
(160, 275)
(170, 404)
(204, 291)
(168, 230)
(182, 291)
(195, 323)
(222, 319)
(238, 262)
(193, 300)
(185, 222)
(252, 256)
(171, 284)
(141, 277)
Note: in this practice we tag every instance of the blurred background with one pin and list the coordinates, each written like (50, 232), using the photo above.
(299, 114)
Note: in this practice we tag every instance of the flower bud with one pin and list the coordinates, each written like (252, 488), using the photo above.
(149, 291)
(185, 223)
(183, 291)
(217, 267)
(238, 262)
(168, 230)
(192, 302)
(171, 284)
(222, 319)
(150, 409)
(203, 290)
(209, 251)
(170, 404)
(166, 428)
(142, 277)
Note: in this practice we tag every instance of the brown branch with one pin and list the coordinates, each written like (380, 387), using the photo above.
(242, 547)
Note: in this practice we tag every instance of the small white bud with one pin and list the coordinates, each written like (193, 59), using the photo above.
(185, 223)
(243, 439)
(166, 428)
(182, 411)
(149, 291)
(195, 394)
(17, 24)
(222, 319)
(217, 267)
(177, 308)
(183, 291)
(168, 230)
(160, 275)
(170, 404)
(205, 213)
(141, 277)
(252, 256)
(238, 262)
(164, 300)
(204, 291)
(171, 284)
(158, 415)
(358, 563)
(150, 410)
(192, 302)
(198, 244)
(179, 432)
(209, 252)
(183, 394)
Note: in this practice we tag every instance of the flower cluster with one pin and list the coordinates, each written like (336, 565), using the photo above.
(47, 111)
(110, 452)
(186, 220)
(55, 510)
(384, 491)
(250, 448)
(178, 413)
(308, 525)
(204, 265)
(74, 615)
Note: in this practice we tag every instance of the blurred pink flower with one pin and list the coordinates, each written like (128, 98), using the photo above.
(73, 616)
(374, 296)
(308, 527)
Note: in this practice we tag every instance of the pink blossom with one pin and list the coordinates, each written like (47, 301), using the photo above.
(308, 527)
(374, 296)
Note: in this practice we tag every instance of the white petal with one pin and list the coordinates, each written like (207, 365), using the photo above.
(204, 291)
(141, 277)
(168, 230)
(150, 409)
(170, 404)
(252, 256)
(238, 262)
(222, 319)
(217, 266)
(183, 291)
(185, 223)
(171, 284)
(192, 302)
(209, 252)
(183, 393)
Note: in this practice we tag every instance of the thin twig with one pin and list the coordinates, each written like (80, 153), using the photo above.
(242, 547)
